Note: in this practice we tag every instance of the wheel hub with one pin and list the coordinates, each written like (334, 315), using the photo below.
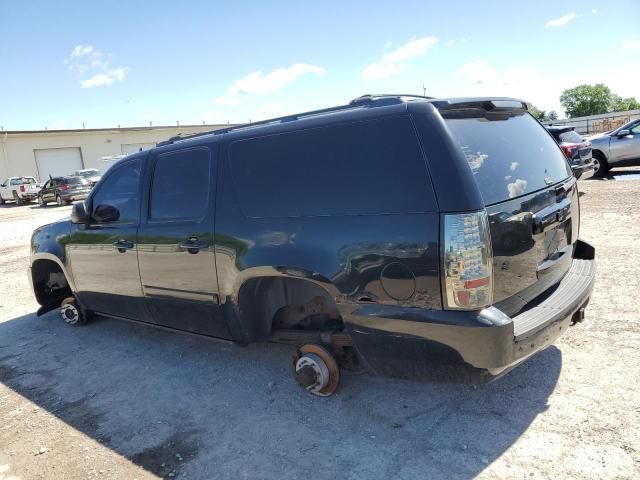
(70, 314)
(315, 370)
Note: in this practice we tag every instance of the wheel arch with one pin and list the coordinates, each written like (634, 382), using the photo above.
(50, 280)
(260, 293)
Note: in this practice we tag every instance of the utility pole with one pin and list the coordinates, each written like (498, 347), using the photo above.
(424, 89)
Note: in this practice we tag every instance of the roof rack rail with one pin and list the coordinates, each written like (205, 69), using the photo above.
(368, 98)
(364, 100)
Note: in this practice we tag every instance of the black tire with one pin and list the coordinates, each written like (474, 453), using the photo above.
(600, 165)
(41, 201)
(60, 201)
(18, 200)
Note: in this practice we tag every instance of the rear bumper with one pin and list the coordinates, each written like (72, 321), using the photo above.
(75, 196)
(468, 346)
(584, 171)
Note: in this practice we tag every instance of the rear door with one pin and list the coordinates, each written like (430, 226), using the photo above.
(175, 242)
(530, 196)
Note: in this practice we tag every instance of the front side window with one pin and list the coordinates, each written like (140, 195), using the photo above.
(636, 129)
(118, 199)
(180, 187)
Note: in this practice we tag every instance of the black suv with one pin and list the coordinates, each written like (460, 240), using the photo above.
(411, 237)
(64, 190)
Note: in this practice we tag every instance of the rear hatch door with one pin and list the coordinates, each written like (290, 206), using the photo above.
(530, 195)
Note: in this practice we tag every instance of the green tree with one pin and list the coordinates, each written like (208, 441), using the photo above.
(537, 113)
(542, 115)
(586, 100)
(619, 104)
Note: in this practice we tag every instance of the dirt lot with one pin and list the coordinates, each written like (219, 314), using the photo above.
(117, 400)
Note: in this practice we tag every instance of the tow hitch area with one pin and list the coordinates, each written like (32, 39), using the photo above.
(578, 316)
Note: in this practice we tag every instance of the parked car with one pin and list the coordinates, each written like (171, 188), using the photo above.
(19, 189)
(360, 234)
(617, 148)
(91, 174)
(64, 190)
(575, 148)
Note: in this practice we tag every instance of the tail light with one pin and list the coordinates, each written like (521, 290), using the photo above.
(64, 188)
(568, 150)
(22, 188)
(467, 261)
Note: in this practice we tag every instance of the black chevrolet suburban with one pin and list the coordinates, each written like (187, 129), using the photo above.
(406, 236)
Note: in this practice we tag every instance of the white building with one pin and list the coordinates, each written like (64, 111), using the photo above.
(62, 152)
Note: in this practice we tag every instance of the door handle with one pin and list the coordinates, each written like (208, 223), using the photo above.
(123, 245)
(193, 245)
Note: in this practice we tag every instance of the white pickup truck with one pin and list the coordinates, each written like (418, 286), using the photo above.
(19, 189)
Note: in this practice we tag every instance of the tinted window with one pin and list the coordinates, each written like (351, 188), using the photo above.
(509, 156)
(180, 186)
(370, 167)
(118, 195)
(570, 137)
(76, 181)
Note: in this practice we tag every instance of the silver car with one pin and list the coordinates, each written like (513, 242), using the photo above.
(617, 148)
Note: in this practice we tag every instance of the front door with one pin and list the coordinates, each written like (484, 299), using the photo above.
(626, 148)
(47, 191)
(103, 254)
(175, 242)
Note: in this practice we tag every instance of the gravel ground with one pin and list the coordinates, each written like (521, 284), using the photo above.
(119, 400)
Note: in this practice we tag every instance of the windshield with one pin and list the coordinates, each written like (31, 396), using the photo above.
(88, 173)
(510, 155)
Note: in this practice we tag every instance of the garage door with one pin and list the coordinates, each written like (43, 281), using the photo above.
(129, 148)
(57, 162)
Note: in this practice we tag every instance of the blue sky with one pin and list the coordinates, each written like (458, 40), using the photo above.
(128, 63)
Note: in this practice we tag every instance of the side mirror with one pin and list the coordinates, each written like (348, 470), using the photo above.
(79, 213)
(106, 214)
(623, 133)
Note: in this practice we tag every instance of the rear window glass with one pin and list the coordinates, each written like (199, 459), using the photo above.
(360, 168)
(509, 157)
(75, 181)
(570, 137)
(23, 181)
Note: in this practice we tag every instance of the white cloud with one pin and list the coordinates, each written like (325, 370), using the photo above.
(85, 60)
(259, 83)
(513, 166)
(105, 79)
(595, 11)
(632, 44)
(392, 63)
(561, 21)
(517, 188)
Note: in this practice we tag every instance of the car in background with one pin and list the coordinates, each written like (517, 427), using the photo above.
(91, 174)
(575, 148)
(64, 190)
(617, 148)
(19, 189)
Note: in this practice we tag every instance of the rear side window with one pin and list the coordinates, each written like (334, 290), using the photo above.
(361, 168)
(509, 156)
(570, 137)
(180, 187)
